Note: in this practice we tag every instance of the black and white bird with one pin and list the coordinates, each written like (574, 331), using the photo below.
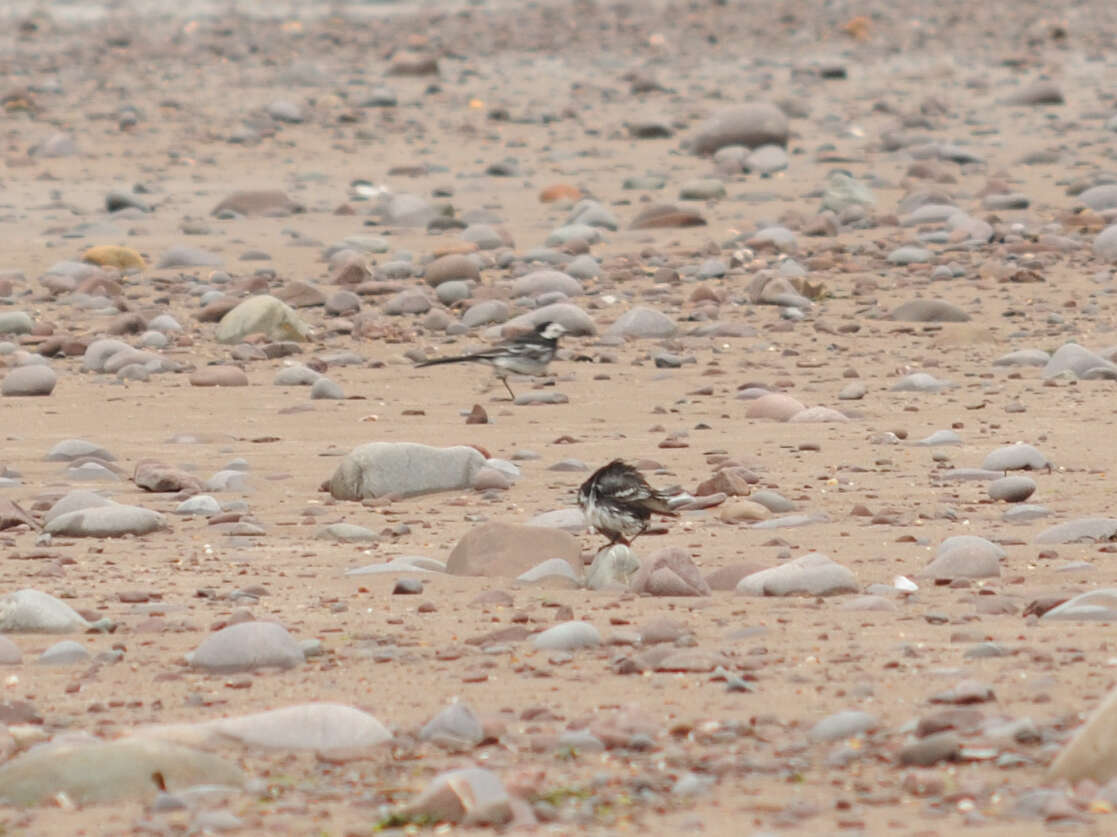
(528, 354)
(618, 502)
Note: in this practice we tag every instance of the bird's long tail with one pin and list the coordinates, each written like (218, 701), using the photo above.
(439, 360)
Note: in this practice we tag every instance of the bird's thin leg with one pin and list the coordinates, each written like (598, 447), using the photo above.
(505, 382)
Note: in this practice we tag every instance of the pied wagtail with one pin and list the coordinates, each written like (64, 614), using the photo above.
(528, 354)
(618, 502)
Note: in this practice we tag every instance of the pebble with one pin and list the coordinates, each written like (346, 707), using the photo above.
(32, 611)
(1088, 530)
(569, 636)
(1012, 489)
(497, 549)
(842, 725)
(1015, 457)
(403, 469)
(751, 125)
(109, 521)
(64, 653)
(23, 381)
(247, 646)
(642, 322)
(814, 574)
(456, 727)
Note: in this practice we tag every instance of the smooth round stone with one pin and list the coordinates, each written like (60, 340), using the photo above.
(567, 637)
(573, 232)
(583, 267)
(843, 725)
(343, 303)
(1105, 245)
(1017, 457)
(774, 405)
(10, 654)
(1024, 357)
(247, 646)
(1012, 489)
(767, 159)
(325, 389)
(91, 472)
(544, 282)
(704, 189)
(920, 382)
(929, 311)
(1025, 513)
(642, 322)
(296, 376)
(486, 312)
(29, 381)
(484, 236)
(200, 504)
(346, 532)
(775, 503)
(154, 340)
(593, 214)
(15, 322)
(712, 269)
(410, 301)
(164, 323)
(183, 256)
(219, 376)
(64, 653)
(909, 255)
(408, 587)
(452, 291)
(550, 569)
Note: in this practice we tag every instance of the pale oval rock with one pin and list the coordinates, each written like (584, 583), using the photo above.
(819, 415)
(812, 574)
(964, 562)
(568, 636)
(1105, 244)
(1087, 530)
(576, 321)
(1015, 457)
(1092, 606)
(642, 322)
(750, 125)
(247, 646)
(775, 406)
(333, 731)
(25, 381)
(472, 796)
(111, 521)
(93, 771)
(1012, 489)
(219, 376)
(64, 653)
(842, 725)
(31, 611)
(1092, 752)
(613, 566)
(497, 549)
(552, 568)
(262, 314)
(403, 469)
(1071, 357)
(456, 727)
(546, 281)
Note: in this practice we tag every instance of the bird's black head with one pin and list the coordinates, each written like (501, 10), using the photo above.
(549, 330)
